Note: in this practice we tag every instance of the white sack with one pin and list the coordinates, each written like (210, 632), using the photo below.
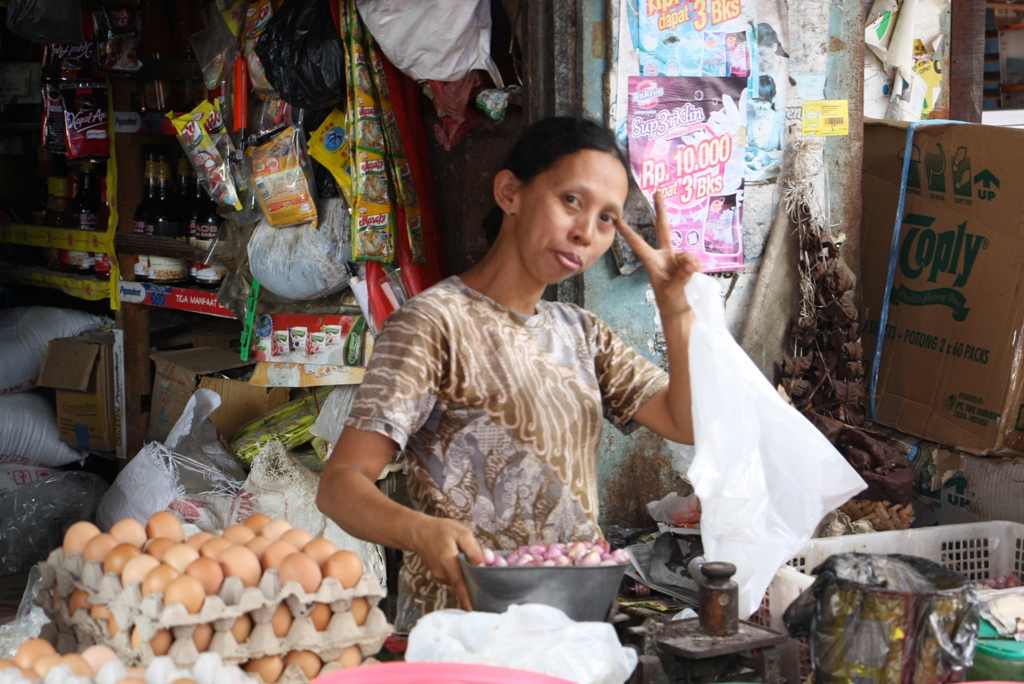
(29, 433)
(25, 333)
(14, 475)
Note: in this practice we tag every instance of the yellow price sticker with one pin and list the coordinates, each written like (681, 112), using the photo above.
(826, 117)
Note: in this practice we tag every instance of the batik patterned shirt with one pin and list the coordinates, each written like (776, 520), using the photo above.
(500, 415)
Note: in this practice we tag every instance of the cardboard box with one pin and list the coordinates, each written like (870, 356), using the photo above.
(81, 369)
(951, 362)
(180, 373)
(957, 487)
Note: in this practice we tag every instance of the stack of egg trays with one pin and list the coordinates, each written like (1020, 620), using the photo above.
(149, 615)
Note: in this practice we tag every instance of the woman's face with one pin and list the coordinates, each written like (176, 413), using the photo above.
(564, 219)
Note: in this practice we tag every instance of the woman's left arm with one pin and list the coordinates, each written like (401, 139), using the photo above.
(669, 412)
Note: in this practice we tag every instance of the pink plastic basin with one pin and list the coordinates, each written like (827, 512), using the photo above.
(435, 673)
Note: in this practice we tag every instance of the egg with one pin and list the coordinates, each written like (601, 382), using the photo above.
(137, 671)
(256, 522)
(79, 599)
(160, 643)
(78, 535)
(258, 545)
(360, 609)
(297, 537)
(267, 667)
(30, 675)
(212, 548)
(179, 556)
(209, 574)
(157, 579)
(102, 613)
(307, 661)
(186, 590)
(344, 566)
(242, 628)
(298, 567)
(319, 549)
(31, 651)
(5, 663)
(281, 622)
(119, 557)
(136, 569)
(98, 547)
(130, 680)
(165, 524)
(351, 657)
(129, 531)
(239, 534)
(275, 553)
(202, 637)
(156, 547)
(97, 656)
(274, 529)
(240, 562)
(321, 616)
(45, 663)
(197, 540)
(184, 680)
(79, 665)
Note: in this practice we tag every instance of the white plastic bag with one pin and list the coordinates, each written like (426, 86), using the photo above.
(331, 421)
(25, 333)
(529, 637)
(764, 474)
(675, 510)
(29, 433)
(433, 40)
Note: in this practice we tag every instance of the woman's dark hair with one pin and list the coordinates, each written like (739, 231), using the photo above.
(541, 145)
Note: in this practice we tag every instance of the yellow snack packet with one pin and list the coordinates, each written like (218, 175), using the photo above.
(281, 175)
(329, 145)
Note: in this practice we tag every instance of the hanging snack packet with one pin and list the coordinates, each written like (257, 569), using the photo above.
(73, 60)
(257, 16)
(282, 177)
(233, 12)
(210, 166)
(53, 118)
(329, 146)
(85, 120)
(117, 38)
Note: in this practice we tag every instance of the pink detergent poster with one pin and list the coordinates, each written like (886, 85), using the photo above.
(687, 138)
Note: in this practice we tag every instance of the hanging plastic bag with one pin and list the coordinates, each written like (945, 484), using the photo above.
(46, 21)
(202, 135)
(257, 16)
(214, 45)
(301, 54)
(765, 476)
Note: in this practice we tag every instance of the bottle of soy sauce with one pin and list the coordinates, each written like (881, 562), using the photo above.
(164, 220)
(203, 232)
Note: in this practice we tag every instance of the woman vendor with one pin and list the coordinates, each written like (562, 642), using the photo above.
(498, 397)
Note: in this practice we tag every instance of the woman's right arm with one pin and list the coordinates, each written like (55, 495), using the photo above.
(349, 496)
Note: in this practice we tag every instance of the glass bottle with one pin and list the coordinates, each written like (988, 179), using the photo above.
(165, 221)
(203, 231)
(141, 267)
(85, 207)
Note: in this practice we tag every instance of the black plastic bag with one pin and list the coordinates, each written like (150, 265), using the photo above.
(302, 55)
(46, 21)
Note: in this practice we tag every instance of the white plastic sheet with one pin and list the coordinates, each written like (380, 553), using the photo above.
(529, 637)
(764, 474)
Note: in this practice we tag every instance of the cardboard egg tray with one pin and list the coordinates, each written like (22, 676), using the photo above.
(149, 615)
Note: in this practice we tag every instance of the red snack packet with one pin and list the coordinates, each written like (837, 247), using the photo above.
(85, 120)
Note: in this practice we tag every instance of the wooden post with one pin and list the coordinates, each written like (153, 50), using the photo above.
(966, 60)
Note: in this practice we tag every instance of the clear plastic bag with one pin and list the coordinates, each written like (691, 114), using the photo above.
(214, 45)
(765, 476)
(331, 421)
(46, 21)
(29, 621)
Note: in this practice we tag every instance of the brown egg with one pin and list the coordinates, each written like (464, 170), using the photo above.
(360, 609)
(79, 665)
(186, 590)
(98, 547)
(197, 540)
(239, 534)
(97, 656)
(258, 545)
(202, 637)
(78, 535)
(45, 663)
(321, 616)
(165, 524)
(100, 614)
(297, 537)
(212, 548)
(160, 643)
(179, 556)
(209, 574)
(30, 674)
(275, 553)
(156, 547)
(344, 566)
(137, 671)
(267, 667)
(5, 663)
(274, 529)
(129, 531)
(319, 549)
(256, 522)
(119, 557)
(157, 579)
(136, 569)
(298, 567)
(242, 563)
(79, 599)
(31, 651)
(130, 680)
(242, 628)
(307, 661)
(184, 680)
(351, 657)
(282, 620)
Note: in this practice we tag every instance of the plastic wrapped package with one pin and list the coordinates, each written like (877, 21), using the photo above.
(214, 45)
(303, 262)
(29, 432)
(887, 619)
(25, 334)
(46, 21)
(331, 421)
(34, 517)
(282, 175)
(289, 425)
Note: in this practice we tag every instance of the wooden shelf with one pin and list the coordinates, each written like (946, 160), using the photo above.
(134, 243)
(61, 238)
(82, 287)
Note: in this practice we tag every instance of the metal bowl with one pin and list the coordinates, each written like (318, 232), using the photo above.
(584, 594)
